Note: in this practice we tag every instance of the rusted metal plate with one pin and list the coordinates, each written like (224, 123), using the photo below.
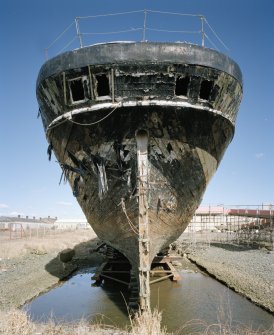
(140, 190)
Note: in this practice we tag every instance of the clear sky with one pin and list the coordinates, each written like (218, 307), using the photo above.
(29, 183)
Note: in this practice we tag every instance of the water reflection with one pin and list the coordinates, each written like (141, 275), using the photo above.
(195, 297)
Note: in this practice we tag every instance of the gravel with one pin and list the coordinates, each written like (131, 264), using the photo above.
(247, 271)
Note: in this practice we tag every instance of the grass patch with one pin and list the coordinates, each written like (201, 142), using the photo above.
(41, 245)
(147, 323)
(220, 329)
(17, 322)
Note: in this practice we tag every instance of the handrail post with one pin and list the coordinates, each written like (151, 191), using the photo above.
(145, 23)
(203, 31)
(78, 31)
(46, 53)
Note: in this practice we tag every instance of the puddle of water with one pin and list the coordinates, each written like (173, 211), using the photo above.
(195, 297)
(199, 297)
(77, 299)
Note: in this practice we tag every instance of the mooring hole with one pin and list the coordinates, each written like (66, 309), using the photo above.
(102, 85)
(205, 89)
(181, 86)
(77, 90)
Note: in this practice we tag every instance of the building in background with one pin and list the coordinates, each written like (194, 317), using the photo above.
(71, 224)
(220, 218)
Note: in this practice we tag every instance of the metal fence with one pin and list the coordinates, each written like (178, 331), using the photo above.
(15, 230)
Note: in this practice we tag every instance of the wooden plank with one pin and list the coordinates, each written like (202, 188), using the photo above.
(115, 279)
(98, 272)
(165, 259)
(160, 271)
(161, 278)
(175, 273)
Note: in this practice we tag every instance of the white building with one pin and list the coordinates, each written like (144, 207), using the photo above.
(220, 218)
(71, 224)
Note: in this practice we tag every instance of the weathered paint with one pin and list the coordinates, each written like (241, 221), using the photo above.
(106, 164)
(143, 222)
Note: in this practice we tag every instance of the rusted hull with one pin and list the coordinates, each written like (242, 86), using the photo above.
(183, 153)
(139, 129)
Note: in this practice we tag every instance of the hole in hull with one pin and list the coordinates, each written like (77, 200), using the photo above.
(181, 86)
(102, 85)
(77, 90)
(206, 88)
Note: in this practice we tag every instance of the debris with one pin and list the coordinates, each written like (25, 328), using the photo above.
(49, 151)
(66, 255)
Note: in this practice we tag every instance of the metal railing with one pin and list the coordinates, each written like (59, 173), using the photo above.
(142, 25)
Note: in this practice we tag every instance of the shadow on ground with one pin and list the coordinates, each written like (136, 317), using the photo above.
(235, 247)
(85, 258)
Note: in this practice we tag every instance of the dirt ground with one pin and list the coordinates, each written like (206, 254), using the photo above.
(31, 266)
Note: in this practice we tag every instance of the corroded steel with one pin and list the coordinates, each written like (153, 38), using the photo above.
(139, 129)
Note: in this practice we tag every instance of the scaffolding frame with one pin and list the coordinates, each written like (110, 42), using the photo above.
(251, 225)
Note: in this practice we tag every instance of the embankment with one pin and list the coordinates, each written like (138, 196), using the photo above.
(248, 271)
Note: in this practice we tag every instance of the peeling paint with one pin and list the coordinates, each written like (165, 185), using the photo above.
(186, 127)
(102, 179)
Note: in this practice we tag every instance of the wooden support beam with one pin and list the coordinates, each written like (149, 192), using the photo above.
(164, 259)
(175, 274)
(159, 271)
(97, 274)
(161, 278)
(115, 279)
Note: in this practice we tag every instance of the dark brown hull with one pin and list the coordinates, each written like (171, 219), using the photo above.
(180, 165)
(139, 192)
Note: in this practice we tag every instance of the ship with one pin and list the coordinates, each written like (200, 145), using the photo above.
(139, 129)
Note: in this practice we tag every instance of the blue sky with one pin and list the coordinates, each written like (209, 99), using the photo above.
(29, 183)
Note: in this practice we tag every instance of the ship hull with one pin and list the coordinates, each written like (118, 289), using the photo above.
(184, 150)
(139, 129)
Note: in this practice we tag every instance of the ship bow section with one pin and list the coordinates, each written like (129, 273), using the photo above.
(139, 129)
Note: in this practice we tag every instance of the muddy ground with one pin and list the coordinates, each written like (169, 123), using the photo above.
(30, 267)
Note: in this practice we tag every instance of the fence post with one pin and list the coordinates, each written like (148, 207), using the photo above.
(202, 31)
(145, 24)
(46, 53)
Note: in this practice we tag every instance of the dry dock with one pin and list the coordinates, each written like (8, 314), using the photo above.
(29, 267)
